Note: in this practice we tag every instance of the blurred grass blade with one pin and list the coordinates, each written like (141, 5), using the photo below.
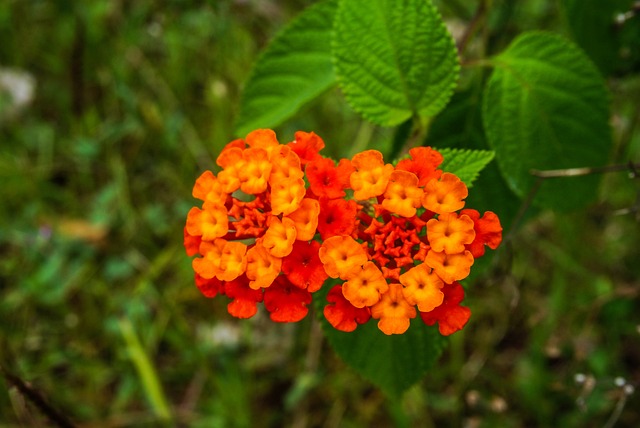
(146, 371)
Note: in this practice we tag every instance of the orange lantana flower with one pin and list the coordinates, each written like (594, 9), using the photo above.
(278, 220)
(422, 287)
(342, 256)
(364, 287)
(393, 311)
(450, 233)
(371, 175)
(445, 195)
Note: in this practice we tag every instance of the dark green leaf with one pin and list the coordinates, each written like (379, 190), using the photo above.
(394, 59)
(592, 25)
(546, 107)
(294, 69)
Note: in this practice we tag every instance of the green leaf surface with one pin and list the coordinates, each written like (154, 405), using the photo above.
(294, 69)
(394, 59)
(546, 107)
(393, 363)
(466, 164)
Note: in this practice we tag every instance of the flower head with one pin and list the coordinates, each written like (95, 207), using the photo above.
(278, 220)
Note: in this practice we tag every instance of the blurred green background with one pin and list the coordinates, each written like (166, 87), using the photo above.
(109, 110)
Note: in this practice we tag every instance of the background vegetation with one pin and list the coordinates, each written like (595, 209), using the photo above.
(130, 101)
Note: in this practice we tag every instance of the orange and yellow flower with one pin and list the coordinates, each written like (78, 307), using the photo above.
(278, 220)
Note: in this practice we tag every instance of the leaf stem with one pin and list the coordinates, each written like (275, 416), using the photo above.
(474, 23)
(542, 175)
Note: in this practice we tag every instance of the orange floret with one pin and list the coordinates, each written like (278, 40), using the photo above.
(255, 173)
(286, 302)
(286, 195)
(450, 267)
(445, 195)
(402, 195)
(233, 261)
(191, 243)
(209, 224)
(450, 233)
(307, 145)
(279, 237)
(342, 256)
(232, 162)
(244, 300)
(422, 287)
(262, 139)
(371, 175)
(341, 314)
(423, 163)
(488, 231)
(208, 187)
(286, 165)
(262, 267)
(365, 286)
(393, 311)
(305, 219)
(208, 266)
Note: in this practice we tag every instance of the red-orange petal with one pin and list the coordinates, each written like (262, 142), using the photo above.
(244, 299)
(488, 231)
(286, 302)
(303, 266)
(341, 314)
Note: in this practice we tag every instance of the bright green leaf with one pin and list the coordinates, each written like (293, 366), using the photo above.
(294, 69)
(393, 363)
(546, 107)
(394, 59)
(466, 164)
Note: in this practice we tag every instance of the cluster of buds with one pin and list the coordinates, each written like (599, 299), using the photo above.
(396, 237)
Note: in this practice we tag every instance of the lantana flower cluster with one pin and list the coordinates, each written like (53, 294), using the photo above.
(279, 219)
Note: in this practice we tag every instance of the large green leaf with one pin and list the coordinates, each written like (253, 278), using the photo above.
(394, 59)
(393, 363)
(294, 69)
(546, 107)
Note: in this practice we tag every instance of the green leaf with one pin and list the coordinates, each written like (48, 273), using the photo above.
(393, 363)
(394, 59)
(294, 69)
(466, 164)
(546, 107)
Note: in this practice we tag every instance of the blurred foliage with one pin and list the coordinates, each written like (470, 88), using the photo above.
(98, 312)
